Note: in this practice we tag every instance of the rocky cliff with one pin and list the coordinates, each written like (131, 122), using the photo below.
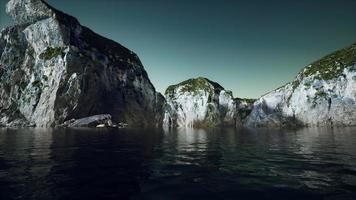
(52, 69)
(323, 94)
(199, 103)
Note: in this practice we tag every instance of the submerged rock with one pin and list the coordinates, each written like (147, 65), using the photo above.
(52, 69)
(323, 94)
(199, 103)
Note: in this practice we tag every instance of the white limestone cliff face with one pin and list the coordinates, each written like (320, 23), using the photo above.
(199, 103)
(52, 69)
(323, 94)
(28, 11)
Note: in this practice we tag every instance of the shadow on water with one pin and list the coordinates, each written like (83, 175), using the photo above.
(73, 163)
(178, 164)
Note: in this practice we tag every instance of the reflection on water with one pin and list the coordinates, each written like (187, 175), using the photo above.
(178, 164)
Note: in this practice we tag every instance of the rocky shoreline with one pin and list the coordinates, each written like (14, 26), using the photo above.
(54, 72)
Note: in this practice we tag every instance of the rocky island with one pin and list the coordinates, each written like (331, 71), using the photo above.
(199, 102)
(56, 72)
(323, 94)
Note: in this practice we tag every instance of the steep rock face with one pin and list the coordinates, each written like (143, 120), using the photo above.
(323, 94)
(52, 69)
(199, 103)
(28, 11)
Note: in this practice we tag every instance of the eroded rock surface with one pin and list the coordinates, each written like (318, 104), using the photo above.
(199, 103)
(323, 94)
(52, 69)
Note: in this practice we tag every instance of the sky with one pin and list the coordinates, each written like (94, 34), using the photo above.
(250, 47)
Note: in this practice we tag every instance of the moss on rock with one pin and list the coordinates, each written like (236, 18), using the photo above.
(194, 85)
(332, 66)
(329, 67)
(50, 53)
(247, 100)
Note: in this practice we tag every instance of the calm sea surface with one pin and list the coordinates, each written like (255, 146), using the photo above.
(181, 164)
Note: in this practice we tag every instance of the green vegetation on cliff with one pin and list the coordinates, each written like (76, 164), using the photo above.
(249, 101)
(194, 85)
(50, 53)
(330, 66)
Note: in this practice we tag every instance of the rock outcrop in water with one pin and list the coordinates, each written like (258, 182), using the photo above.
(52, 70)
(92, 121)
(200, 103)
(323, 94)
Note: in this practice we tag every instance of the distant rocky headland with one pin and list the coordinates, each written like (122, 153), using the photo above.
(56, 72)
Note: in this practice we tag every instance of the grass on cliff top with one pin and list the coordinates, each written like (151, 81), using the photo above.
(249, 101)
(330, 66)
(194, 85)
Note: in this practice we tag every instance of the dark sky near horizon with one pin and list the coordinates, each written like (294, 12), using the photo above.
(250, 47)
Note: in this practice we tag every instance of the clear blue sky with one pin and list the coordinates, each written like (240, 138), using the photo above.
(249, 47)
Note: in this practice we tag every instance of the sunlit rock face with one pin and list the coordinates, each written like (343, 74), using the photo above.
(28, 11)
(52, 69)
(199, 103)
(323, 94)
